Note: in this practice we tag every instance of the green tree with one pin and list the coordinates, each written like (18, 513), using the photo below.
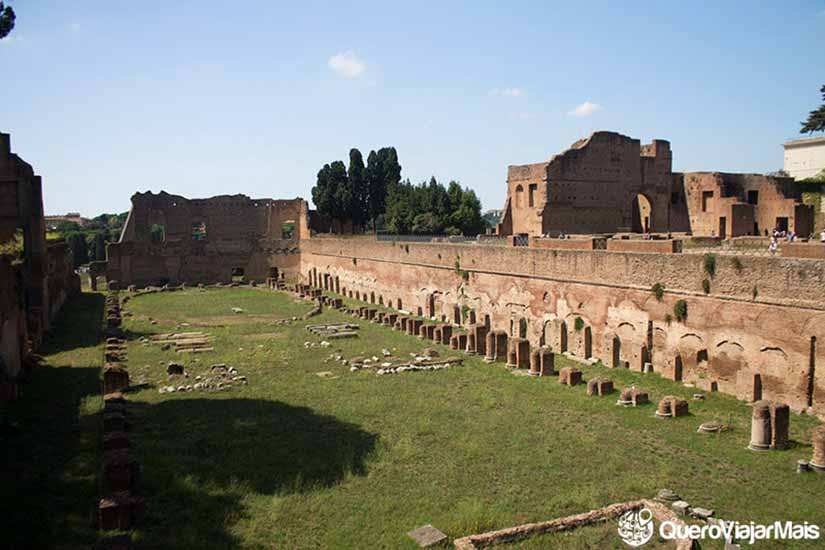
(816, 118)
(399, 214)
(467, 216)
(66, 228)
(425, 224)
(7, 18)
(323, 193)
(353, 191)
(383, 173)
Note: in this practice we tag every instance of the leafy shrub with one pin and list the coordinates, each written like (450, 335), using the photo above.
(737, 265)
(578, 324)
(710, 264)
(706, 285)
(680, 310)
(658, 290)
(668, 319)
(755, 292)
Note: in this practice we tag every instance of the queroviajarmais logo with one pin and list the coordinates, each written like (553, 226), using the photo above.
(636, 526)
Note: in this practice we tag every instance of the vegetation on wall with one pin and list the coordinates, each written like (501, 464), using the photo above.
(737, 265)
(710, 264)
(658, 291)
(578, 324)
(680, 310)
(706, 286)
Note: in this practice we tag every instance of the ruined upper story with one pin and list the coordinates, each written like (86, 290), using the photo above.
(611, 183)
(20, 192)
(176, 219)
(589, 187)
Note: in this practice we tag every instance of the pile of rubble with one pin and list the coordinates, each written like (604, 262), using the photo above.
(334, 331)
(428, 360)
(183, 342)
(220, 378)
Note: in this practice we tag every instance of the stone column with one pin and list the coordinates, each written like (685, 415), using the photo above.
(780, 423)
(760, 427)
(470, 344)
(491, 347)
(548, 361)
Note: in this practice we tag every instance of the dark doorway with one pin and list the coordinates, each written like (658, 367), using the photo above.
(588, 343)
(641, 214)
(757, 387)
(723, 227)
(617, 352)
(782, 224)
(563, 337)
(677, 369)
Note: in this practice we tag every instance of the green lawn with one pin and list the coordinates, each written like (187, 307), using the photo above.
(294, 460)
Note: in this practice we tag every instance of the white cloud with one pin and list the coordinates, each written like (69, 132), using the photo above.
(586, 109)
(507, 92)
(347, 64)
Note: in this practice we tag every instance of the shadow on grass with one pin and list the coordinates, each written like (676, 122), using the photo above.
(79, 324)
(201, 457)
(49, 461)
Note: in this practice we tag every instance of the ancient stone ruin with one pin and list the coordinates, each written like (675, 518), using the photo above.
(671, 406)
(610, 183)
(770, 423)
(36, 275)
(171, 239)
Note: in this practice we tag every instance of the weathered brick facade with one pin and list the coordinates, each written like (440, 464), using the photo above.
(206, 240)
(764, 348)
(610, 183)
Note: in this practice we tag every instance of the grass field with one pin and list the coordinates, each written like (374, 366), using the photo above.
(294, 460)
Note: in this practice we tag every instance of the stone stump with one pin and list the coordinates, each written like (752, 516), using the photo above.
(535, 362)
(570, 376)
(115, 378)
(633, 397)
(760, 427)
(671, 406)
(547, 362)
(599, 387)
(780, 425)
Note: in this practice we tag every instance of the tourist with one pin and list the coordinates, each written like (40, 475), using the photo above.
(822, 236)
(773, 246)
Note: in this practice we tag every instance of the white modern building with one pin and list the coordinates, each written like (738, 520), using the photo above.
(804, 158)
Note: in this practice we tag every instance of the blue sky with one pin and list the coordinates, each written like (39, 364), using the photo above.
(200, 98)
